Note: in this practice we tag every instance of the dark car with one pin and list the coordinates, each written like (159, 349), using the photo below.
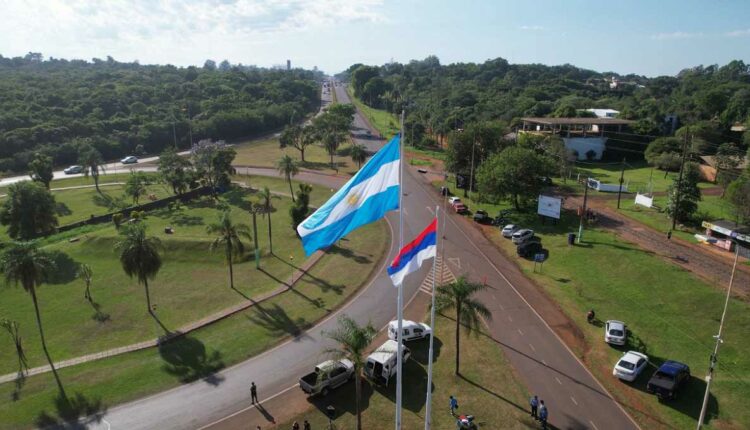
(528, 249)
(667, 380)
(481, 216)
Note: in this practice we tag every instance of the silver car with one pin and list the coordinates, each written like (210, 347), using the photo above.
(615, 332)
(522, 236)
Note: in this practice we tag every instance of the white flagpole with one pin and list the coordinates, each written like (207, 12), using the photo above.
(428, 408)
(400, 303)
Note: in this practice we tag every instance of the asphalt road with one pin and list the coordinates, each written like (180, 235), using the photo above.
(546, 366)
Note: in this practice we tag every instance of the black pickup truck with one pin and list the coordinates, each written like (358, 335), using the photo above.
(670, 376)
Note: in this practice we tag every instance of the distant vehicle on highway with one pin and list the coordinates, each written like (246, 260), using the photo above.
(522, 236)
(630, 365)
(381, 364)
(667, 380)
(509, 229)
(411, 330)
(327, 375)
(72, 170)
(130, 159)
(615, 332)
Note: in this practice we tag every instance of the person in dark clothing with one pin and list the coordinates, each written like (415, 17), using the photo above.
(534, 402)
(254, 393)
(453, 405)
(669, 235)
(306, 425)
(543, 414)
(295, 426)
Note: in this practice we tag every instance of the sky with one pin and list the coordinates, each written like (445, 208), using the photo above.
(656, 37)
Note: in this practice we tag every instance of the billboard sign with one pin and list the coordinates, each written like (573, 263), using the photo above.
(644, 200)
(549, 206)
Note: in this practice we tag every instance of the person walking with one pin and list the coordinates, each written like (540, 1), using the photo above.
(453, 405)
(306, 425)
(543, 414)
(295, 426)
(253, 393)
(534, 402)
(669, 235)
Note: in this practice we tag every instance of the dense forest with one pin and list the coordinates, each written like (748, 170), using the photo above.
(442, 98)
(54, 106)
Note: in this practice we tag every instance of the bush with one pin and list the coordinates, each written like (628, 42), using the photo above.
(117, 220)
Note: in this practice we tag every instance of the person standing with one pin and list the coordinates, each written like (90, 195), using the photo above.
(253, 393)
(295, 426)
(453, 405)
(306, 425)
(543, 414)
(534, 402)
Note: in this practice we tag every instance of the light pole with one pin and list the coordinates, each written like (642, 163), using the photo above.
(719, 341)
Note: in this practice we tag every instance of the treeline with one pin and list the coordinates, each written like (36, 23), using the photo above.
(53, 106)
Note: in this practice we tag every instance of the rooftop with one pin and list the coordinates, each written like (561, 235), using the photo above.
(577, 121)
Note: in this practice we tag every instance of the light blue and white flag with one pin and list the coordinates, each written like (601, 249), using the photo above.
(367, 196)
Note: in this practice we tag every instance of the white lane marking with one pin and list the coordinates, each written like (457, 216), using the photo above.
(558, 380)
(429, 208)
(510, 319)
(593, 425)
(532, 347)
(574, 400)
(520, 332)
(456, 261)
(544, 362)
(249, 407)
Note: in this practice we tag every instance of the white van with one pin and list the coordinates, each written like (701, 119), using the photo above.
(381, 364)
(411, 330)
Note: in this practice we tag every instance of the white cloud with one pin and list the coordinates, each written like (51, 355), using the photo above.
(531, 27)
(677, 35)
(738, 33)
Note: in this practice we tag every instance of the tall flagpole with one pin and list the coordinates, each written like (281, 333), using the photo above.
(400, 303)
(428, 408)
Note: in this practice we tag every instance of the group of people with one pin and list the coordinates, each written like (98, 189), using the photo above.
(539, 411)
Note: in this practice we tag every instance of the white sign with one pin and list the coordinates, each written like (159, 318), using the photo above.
(644, 200)
(549, 206)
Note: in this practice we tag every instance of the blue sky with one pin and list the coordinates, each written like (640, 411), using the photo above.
(644, 37)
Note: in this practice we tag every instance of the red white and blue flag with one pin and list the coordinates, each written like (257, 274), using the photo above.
(410, 258)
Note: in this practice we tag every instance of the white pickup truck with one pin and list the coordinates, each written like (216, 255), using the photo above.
(327, 375)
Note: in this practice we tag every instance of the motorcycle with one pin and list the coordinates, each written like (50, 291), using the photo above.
(465, 422)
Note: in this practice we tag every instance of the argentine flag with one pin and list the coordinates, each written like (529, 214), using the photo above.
(367, 196)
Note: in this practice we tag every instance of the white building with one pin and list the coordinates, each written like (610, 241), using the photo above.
(604, 113)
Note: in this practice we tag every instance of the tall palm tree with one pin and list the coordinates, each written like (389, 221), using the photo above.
(358, 154)
(353, 340)
(23, 263)
(459, 296)
(230, 235)
(265, 197)
(93, 164)
(139, 256)
(331, 142)
(288, 167)
(85, 273)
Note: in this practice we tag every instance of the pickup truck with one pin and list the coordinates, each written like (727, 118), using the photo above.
(327, 375)
(670, 376)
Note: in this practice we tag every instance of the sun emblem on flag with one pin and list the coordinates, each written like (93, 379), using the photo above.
(353, 199)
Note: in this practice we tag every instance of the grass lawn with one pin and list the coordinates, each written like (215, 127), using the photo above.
(105, 383)
(672, 315)
(118, 317)
(319, 194)
(638, 176)
(265, 153)
(487, 389)
(386, 123)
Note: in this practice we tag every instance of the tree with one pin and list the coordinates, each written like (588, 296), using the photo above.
(477, 141)
(85, 273)
(358, 154)
(175, 171)
(686, 191)
(515, 173)
(561, 156)
(209, 65)
(213, 163)
(301, 206)
(135, 186)
(459, 296)
(28, 211)
(738, 194)
(353, 341)
(139, 256)
(298, 137)
(12, 327)
(361, 76)
(728, 158)
(265, 197)
(331, 142)
(288, 167)
(25, 264)
(40, 169)
(230, 235)
(92, 162)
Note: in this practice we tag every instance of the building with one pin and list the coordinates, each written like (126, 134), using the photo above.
(604, 113)
(726, 235)
(709, 169)
(288, 65)
(583, 136)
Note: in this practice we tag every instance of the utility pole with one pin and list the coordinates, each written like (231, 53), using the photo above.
(174, 134)
(676, 209)
(583, 210)
(622, 178)
(719, 341)
(471, 174)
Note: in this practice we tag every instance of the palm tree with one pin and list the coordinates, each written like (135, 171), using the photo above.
(93, 164)
(331, 142)
(230, 235)
(23, 263)
(459, 296)
(139, 256)
(353, 339)
(288, 167)
(265, 197)
(358, 154)
(85, 273)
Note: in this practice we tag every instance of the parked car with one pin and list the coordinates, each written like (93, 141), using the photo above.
(630, 365)
(668, 378)
(522, 236)
(615, 332)
(130, 159)
(327, 375)
(481, 216)
(381, 364)
(509, 229)
(529, 249)
(460, 208)
(411, 330)
(72, 170)
(452, 200)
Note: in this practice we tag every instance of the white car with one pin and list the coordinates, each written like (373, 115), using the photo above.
(412, 330)
(130, 159)
(72, 170)
(522, 236)
(509, 229)
(630, 365)
(615, 332)
(452, 200)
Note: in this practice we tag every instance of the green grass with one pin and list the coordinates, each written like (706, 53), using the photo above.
(319, 194)
(198, 355)
(386, 123)
(638, 176)
(487, 389)
(266, 153)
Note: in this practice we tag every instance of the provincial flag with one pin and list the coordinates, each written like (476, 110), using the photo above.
(410, 258)
(372, 192)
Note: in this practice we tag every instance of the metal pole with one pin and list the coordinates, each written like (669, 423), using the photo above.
(583, 210)
(719, 341)
(400, 302)
(174, 134)
(622, 178)
(428, 407)
(676, 208)
(471, 175)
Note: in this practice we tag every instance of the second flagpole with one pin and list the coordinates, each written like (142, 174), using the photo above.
(428, 407)
(400, 302)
